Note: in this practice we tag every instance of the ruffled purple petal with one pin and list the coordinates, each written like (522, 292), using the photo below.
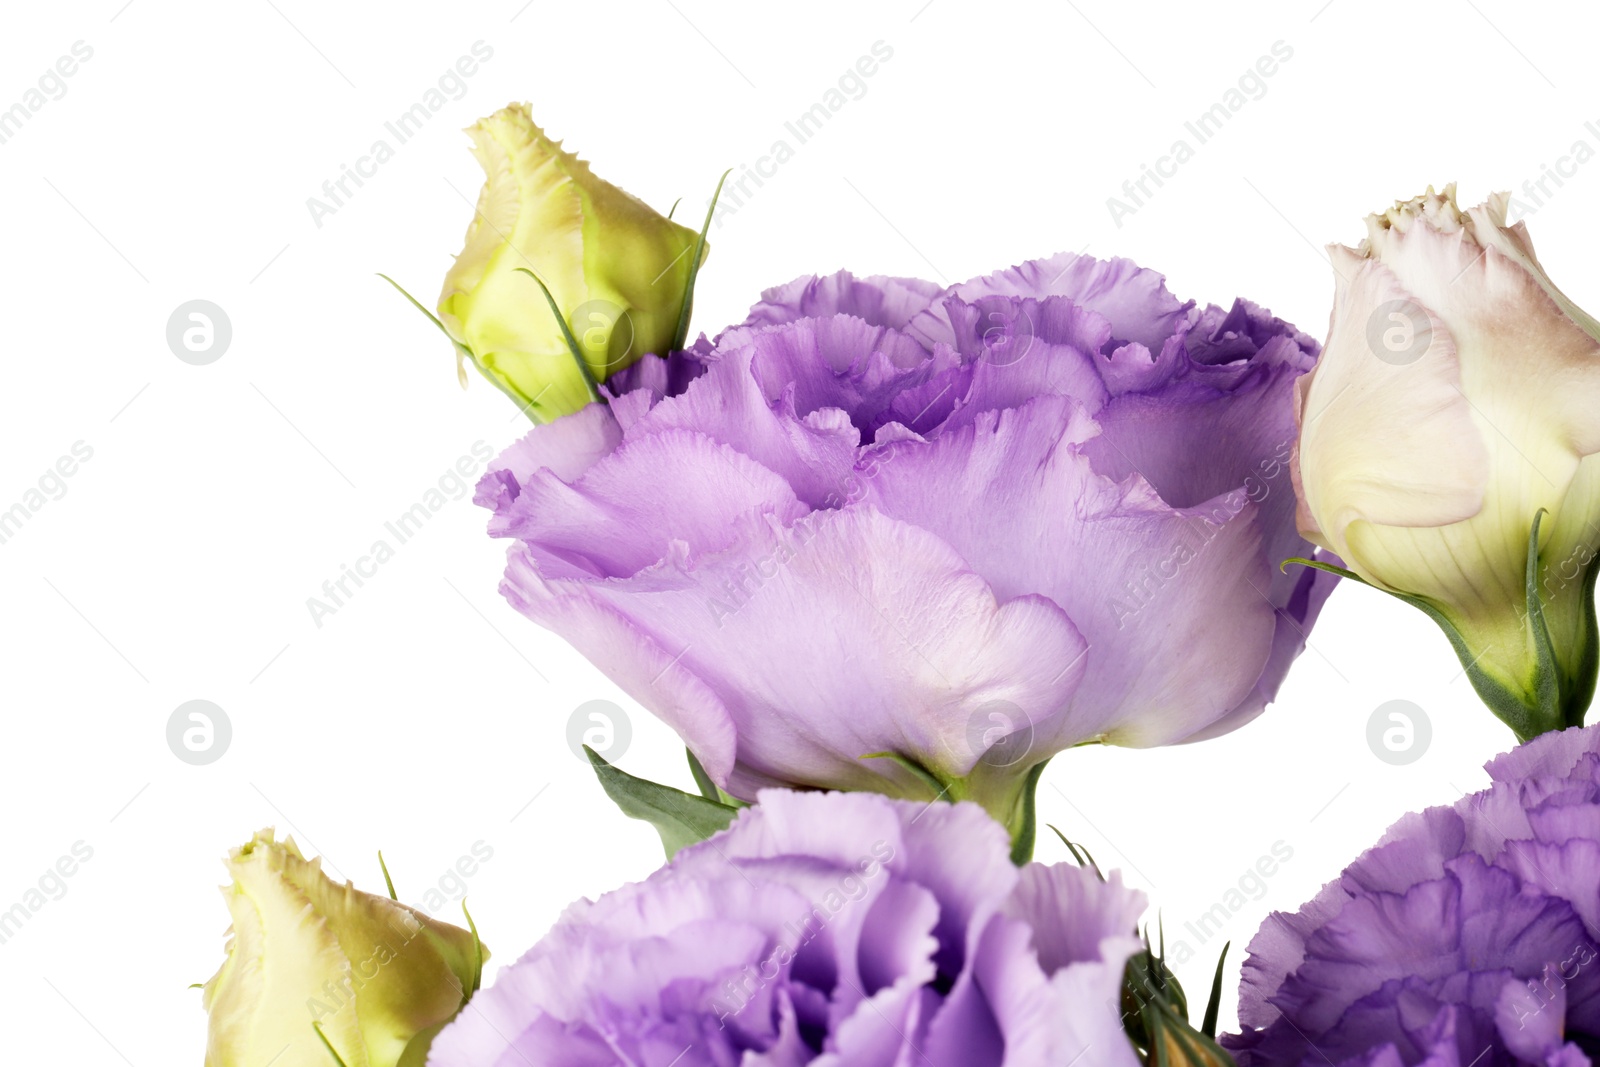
(820, 929)
(912, 634)
(1133, 300)
(1128, 569)
(880, 300)
(1468, 936)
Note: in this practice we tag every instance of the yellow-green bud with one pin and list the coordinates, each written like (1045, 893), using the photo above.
(617, 271)
(376, 977)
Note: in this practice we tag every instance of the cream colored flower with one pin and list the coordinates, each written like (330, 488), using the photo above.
(1457, 403)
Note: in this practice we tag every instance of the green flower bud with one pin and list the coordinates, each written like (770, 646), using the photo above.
(617, 272)
(314, 967)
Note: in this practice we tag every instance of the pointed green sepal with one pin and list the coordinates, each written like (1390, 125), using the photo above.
(1080, 853)
(463, 349)
(567, 336)
(1214, 1002)
(1528, 718)
(939, 789)
(707, 787)
(682, 819)
(1156, 1018)
(1579, 689)
(338, 1059)
(681, 335)
(1550, 701)
(1318, 565)
(477, 953)
(702, 780)
(463, 353)
(387, 881)
(1026, 830)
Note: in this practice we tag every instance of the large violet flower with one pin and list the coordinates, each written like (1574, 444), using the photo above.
(1469, 936)
(824, 929)
(966, 527)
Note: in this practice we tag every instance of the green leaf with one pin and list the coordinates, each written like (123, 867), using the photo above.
(681, 334)
(1548, 689)
(1079, 853)
(1155, 1016)
(1527, 720)
(386, 879)
(916, 770)
(1318, 565)
(461, 348)
(477, 953)
(1528, 714)
(1580, 688)
(431, 316)
(1027, 829)
(1174, 1043)
(1214, 1003)
(682, 819)
(566, 335)
(708, 788)
(1507, 704)
(328, 1045)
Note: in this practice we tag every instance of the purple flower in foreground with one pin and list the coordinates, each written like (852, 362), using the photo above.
(970, 527)
(825, 929)
(1469, 937)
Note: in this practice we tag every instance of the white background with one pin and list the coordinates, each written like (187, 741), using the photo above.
(425, 715)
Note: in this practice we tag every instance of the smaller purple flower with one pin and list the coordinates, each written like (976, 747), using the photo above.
(1468, 937)
(825, 929)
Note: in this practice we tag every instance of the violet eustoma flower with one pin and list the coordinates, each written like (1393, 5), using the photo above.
(1469, 936)
(823, 929)
(959, 529)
